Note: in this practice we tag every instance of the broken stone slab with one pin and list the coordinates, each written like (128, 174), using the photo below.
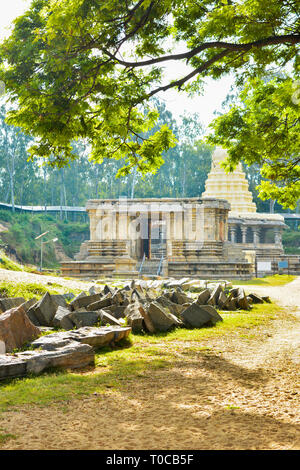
(16, 329)
(134, 317)
(62, 319)
(180, 298)
(11, 367)
(59, 300)
(117, 311)
(215, 295)
(194, 316)
(81, 319)
(216, 317)
(45, 310)
(69, 296)
(222, 300)
(10, 302)
(84, 301)
(176, 309)
(117, 298)
(161, 319)
(231, 305)
(100, 303)
(203, 297)
(241, 300)
(107, 318)
(256, 299)
(267, 299)
(147, 320)
(94, 336)
(31, 315)
(29, 303)
(72, 355)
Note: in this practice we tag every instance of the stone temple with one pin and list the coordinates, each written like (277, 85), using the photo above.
(216, 236)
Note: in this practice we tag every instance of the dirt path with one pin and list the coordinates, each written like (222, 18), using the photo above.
(22, 276)
(243, 394)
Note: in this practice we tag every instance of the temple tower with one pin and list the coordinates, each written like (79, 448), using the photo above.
(230, 186)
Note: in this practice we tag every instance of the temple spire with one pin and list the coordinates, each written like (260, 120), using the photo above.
(230, 186)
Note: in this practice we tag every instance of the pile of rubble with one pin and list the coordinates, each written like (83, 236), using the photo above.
(101, 317)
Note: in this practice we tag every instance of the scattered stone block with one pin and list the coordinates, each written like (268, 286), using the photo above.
(106, 318)
(101, 303)
(45, 310)
(10, 302)
(222, 300)
(134, 317)
(31, 315)
(256, 299)
(16, 329)
(84, 301)
(11, 367)
(62, 319)
(59, 300)
(73, 355)
(117, 311)
(161, 319)
(213, 300)
(203, 297)
(213, 312)
(194, 316)
(176, 309)
(180, 298)
(81, 319)
(29, 303)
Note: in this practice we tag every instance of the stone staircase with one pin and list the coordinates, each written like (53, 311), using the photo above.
(149, 268)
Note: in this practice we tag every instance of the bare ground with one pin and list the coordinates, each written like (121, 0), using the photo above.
(243, 394)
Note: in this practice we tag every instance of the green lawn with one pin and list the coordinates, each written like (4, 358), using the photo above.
(276, 280)
(130, 360)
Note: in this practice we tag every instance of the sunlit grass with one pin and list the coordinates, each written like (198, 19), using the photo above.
(276, 280)
(130, 360)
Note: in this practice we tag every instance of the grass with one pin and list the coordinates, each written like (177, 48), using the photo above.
(4, 437)
(129, 361)
(276, 280)
(33, 289)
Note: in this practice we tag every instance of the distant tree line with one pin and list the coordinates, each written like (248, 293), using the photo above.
(183, 174)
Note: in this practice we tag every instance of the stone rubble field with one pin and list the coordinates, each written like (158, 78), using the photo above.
(104, 316)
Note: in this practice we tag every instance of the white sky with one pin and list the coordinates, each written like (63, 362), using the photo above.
(214, 93)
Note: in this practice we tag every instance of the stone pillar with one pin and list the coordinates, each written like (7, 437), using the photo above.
(256, 232)
(232, 234)
(277, 237)
(244, 233)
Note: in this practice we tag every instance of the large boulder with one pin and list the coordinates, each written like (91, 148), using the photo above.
(16, 329)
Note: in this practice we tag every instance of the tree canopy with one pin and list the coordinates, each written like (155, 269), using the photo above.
(88, 68)
(264, 129)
